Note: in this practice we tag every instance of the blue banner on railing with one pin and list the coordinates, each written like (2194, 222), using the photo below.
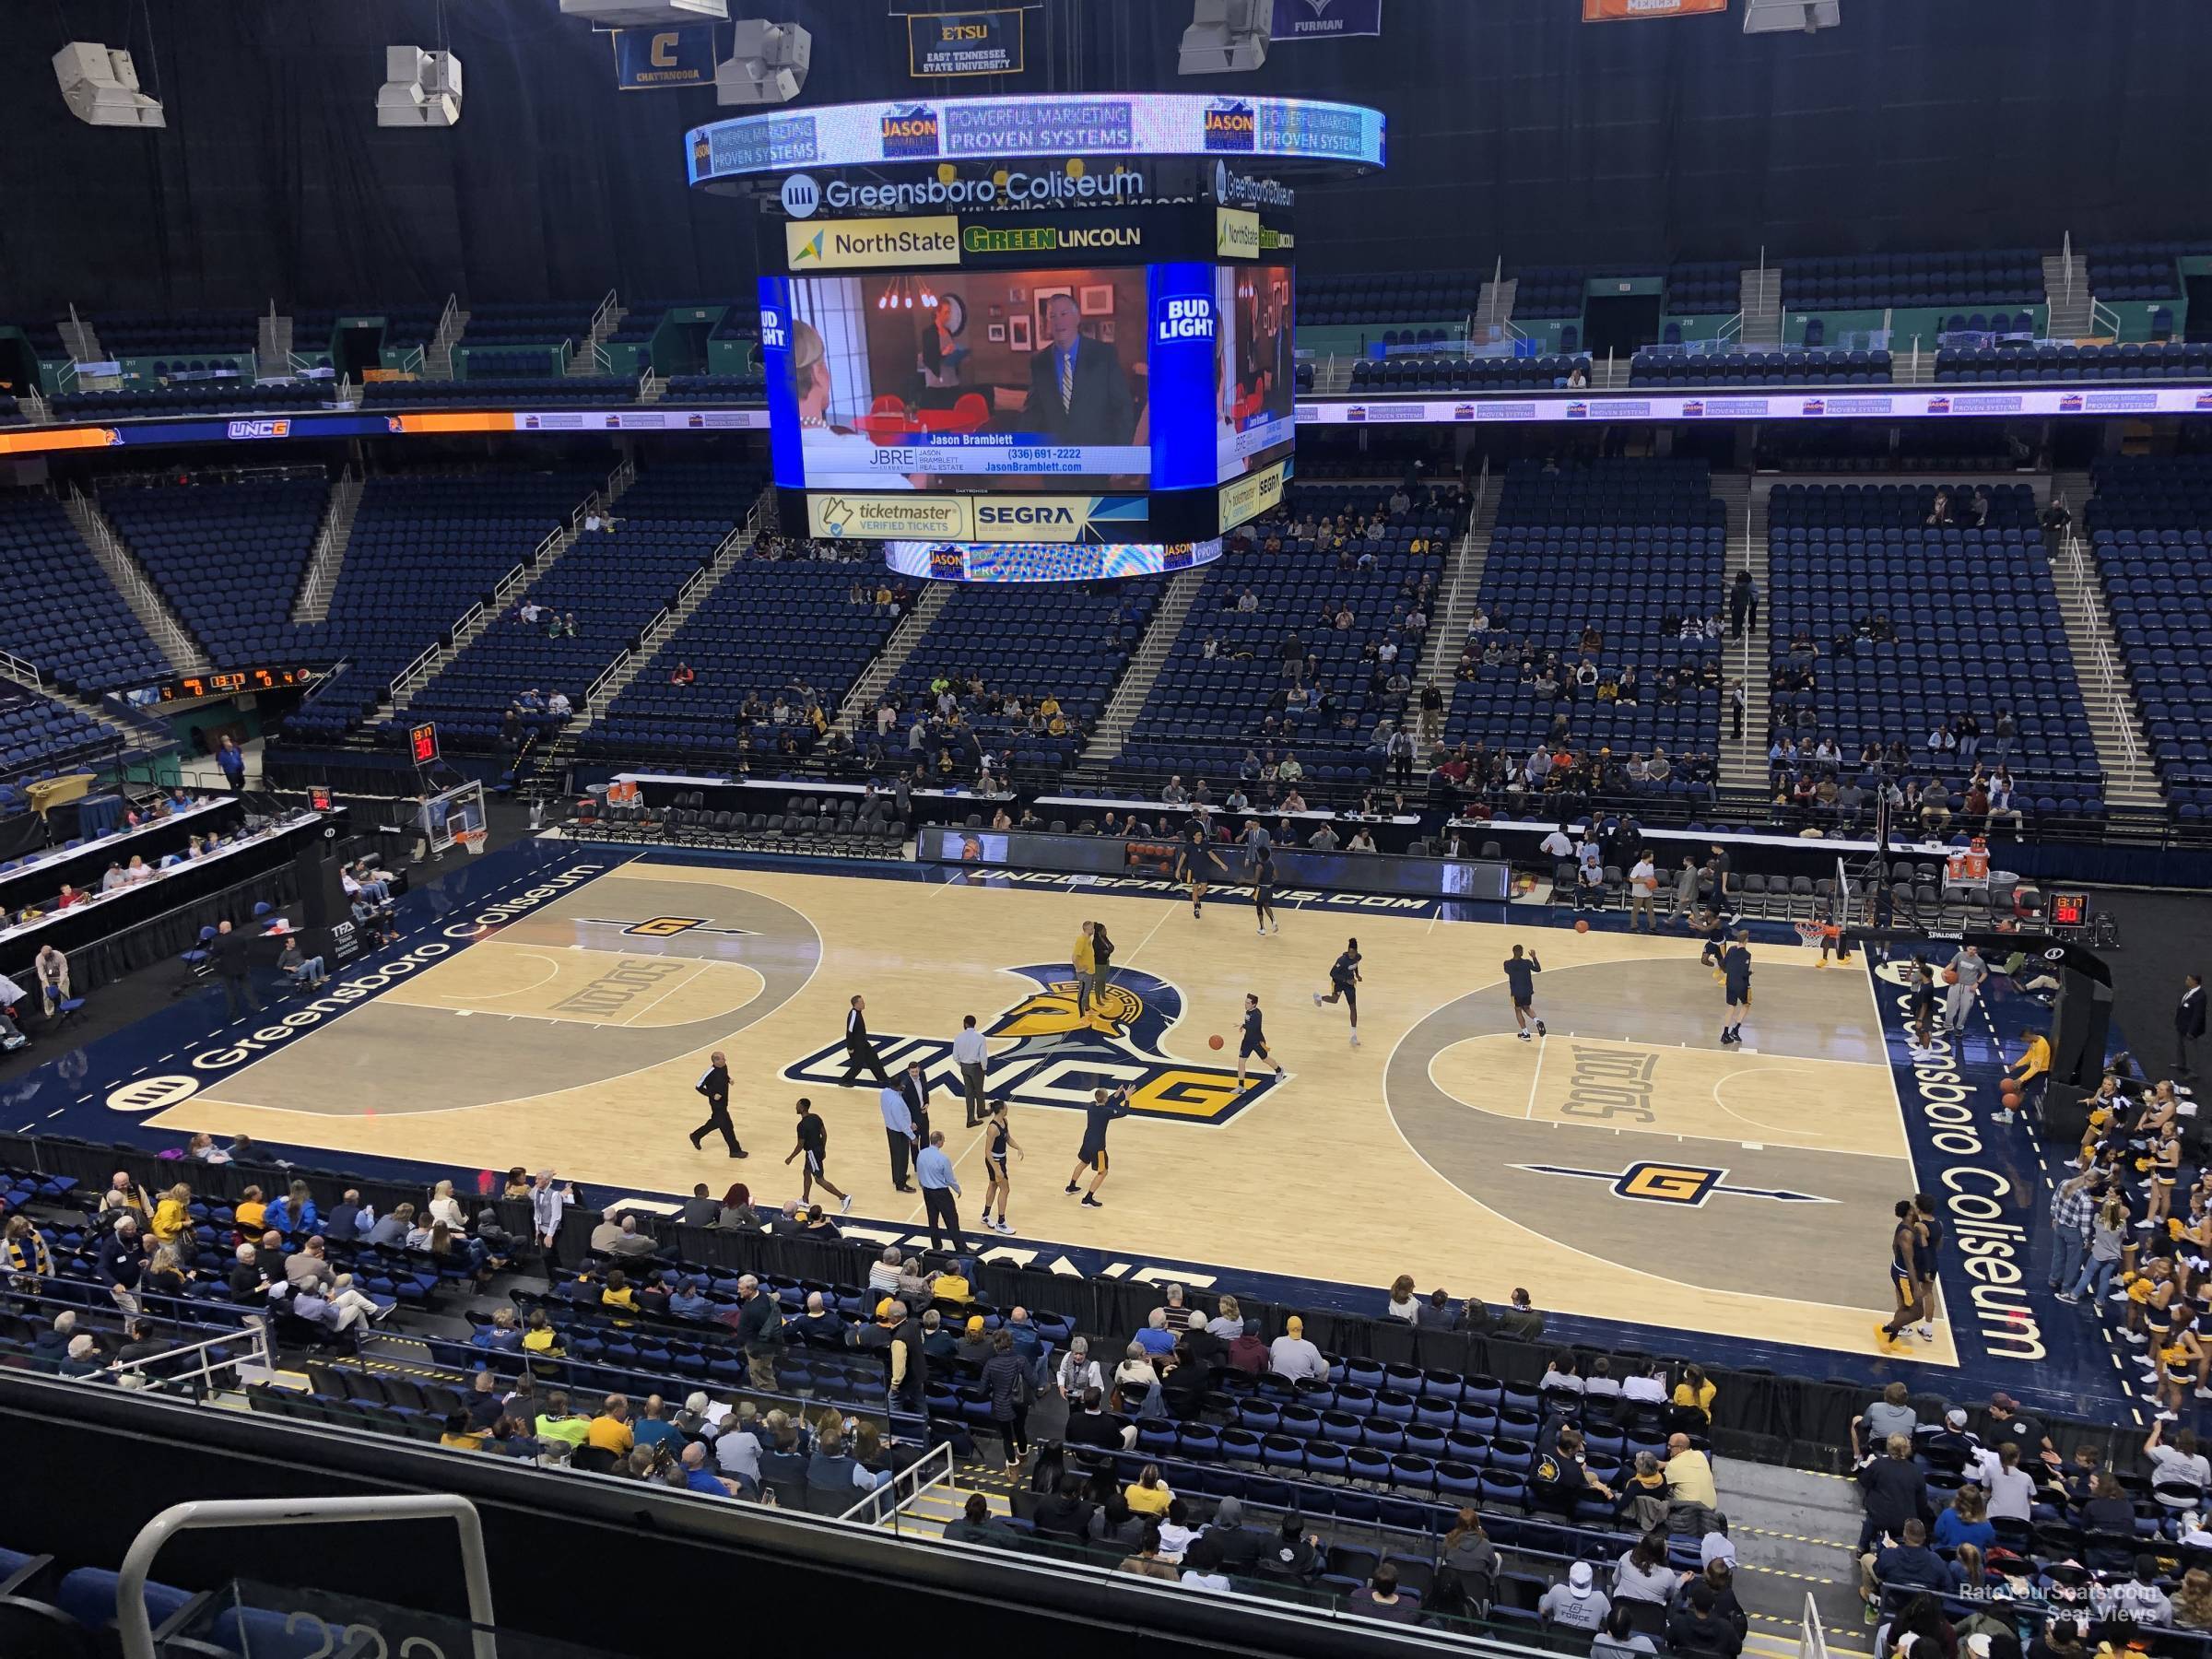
(1325, 19)
(963, 43)
(646, 60)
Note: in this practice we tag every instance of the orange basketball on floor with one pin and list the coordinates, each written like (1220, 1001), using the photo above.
(1213, 1041)
(1581, 927)
(1950, 976)
(2009, 1090)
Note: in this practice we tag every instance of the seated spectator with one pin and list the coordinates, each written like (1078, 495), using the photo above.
(1202, 1564)
(1642, 1574)
(618, 1235)
(557, 1422)
(1620, 1639)
(302, 970)
(1908, 1563)
(977, 1524)
(1228, 1322)
(1095, 1426)
(1892, 1414)
(1561, 1479)
(1379, 1598)
(1967, 1520)
(1689, 1474)
(1060, 1511)
(1147, 1562)
(1577, 1605)
(1148, 1494)
(1696, 1625)
(1520, 1322)
(1290, 1355)
(1154, 1336)
(1295, 1555)
(2138, 1599)
(1695, 1391)
(2011, 1488)
(2192, 1602)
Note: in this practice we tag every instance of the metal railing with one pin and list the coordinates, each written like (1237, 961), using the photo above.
(22, 670)
(602, 316)
(345, 496)
(164, 1371)
(2103, 319)
(134, 1624)
(933, 1469)
(131, 579)
(2111, 678)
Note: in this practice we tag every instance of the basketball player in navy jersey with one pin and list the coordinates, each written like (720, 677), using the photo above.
(1521, 970)
(1192, 858)
(1735, 974)
(1263, 889)
(1344, 982)
(1254, 1045)
(1905, 1273)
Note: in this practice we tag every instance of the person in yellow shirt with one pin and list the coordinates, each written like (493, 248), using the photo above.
(249, 1211)
(1696, 1392)
(460, 1436)
(610, 1431)
(540, 1337)
(172, 1215)
(1085, 958)
(1148, 1494)
(557, 1422)
(2034, 1062)
(617, 1293)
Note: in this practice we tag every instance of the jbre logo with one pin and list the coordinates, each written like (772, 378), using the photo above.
(152, 1094)
(1230, 125)
(1059, 1055)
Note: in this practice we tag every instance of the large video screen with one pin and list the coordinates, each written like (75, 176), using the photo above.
(1256, 369)
(1068, 379)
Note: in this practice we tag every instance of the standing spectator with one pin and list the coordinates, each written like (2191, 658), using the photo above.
(1005, 1383)
(2188, 1023)
(233, 762)
(1743, 604)
(2072, 1210)
(759, 1325)
(234, 966)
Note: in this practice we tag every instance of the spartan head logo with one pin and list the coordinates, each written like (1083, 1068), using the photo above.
(1060, 1053)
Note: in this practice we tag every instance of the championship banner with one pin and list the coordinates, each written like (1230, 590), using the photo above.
(944, 44)
(647, 60)
(1620, 11)
(1325, 19)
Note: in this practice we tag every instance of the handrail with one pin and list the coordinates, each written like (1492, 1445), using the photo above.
(2111, 679)
(134, 1625)
(158, 1366)
(601, 313)
(914, 1470)
(22, 670)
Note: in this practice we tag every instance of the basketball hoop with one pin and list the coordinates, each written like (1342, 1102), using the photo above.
(473, 840)
(1809, 933)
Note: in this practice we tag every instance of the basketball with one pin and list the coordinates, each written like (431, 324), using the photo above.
(1581, 927)
(1950, 976)
(1214, 1041)
(2009, 1090)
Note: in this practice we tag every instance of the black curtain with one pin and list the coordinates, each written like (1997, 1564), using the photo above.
(1516, 129)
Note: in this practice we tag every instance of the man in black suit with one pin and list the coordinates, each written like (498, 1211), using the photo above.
(859, 1053)
(234, 965)
(1077, 391)
(2188, 1022)
(715, 1086)
(914, 1083)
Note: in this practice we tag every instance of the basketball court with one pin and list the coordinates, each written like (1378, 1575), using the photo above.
(1625, 1167)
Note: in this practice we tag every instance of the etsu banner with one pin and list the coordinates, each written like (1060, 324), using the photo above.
(1325, 19)
(649, 59)
(963, 43)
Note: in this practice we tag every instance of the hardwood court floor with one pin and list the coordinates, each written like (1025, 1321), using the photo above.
(1626, 1167)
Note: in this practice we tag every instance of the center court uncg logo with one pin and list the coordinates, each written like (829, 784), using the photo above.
(909, 130)
(1230, 125)
(1059, 1052)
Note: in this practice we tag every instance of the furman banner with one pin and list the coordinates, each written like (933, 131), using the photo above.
(963, 43)
(647, 59)
(1325, 19)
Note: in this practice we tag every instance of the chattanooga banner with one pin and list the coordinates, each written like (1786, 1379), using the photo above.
(1325, 19)
(650, 59)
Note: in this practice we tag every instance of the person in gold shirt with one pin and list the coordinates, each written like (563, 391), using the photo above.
(1148, 1494)
(610, 1431)
(617, 1293)
(460, 1436)
(249, 1212)
(2034, 1062)
(1085, 958)
(172, 1216)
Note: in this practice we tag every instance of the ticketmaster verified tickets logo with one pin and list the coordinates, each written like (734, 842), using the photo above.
(845, 243)
(889, 517)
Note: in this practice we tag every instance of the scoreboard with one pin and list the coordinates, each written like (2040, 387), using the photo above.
(230, 683)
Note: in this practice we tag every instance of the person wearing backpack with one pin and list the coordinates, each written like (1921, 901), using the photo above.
(1006, 1381)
